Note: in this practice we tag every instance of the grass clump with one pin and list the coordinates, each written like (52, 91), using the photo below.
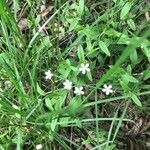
(70, 71)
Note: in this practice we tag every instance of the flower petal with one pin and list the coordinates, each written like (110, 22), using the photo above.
(82, 92)
(105, 86)
(109, 86)
(81, 88)
(104, 90)
(87, 65)
(110, 91)
(83, 71)
(107, 92)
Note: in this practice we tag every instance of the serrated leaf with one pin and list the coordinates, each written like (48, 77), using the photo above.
(136, 100)
(81, 54)
(104, 48)
(125, 10)
(131, 24)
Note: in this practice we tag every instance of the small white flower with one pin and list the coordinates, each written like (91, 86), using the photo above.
(107, 89)
(84, 68)
(67, 85)
(15, 106)
(48, 74)
(79, 90)
(39, 146)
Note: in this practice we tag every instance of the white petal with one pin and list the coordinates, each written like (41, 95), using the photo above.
(83, 71)
(109, 86)
(105, 86)
(64, 83)
(107, 92)
(39, 146)
(104, 90)
(82, 92)
(81, 88)
(110, 91)
(87, 65)
(76, 90)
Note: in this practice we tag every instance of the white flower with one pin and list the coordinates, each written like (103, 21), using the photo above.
(84, 68)
(48, 74)
(67, 85)
(39, 146)
(107, 89)
(79, 90)
(15, 106)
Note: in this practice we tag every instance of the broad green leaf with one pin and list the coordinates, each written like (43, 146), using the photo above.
(89, 45)
(131, 24)
(60, 99)
(125, 10)
(39, 90)
(134, 57)
(81, 7)
(48, 103)
(104, 48)
(81, 54)
(129, 78)
(136, 100)
(89, 75)
(64, 68)
(124, 86)
(73, 23)
(89, 31)
(75, 106)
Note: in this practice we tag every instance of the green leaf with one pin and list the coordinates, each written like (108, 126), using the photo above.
(136, 100)
(48, 103)
(80, 9)
(73, 23)
(60, 99)
(89, 31)
(75, 106)
(39, 90)
(146, 51)
(89, 75)
(81, 54)
(124, 86)
(125, 10)
(130, 78)
(131, 24)
(147, 73)
(134, 57)
(64, 68)
(104, 48)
